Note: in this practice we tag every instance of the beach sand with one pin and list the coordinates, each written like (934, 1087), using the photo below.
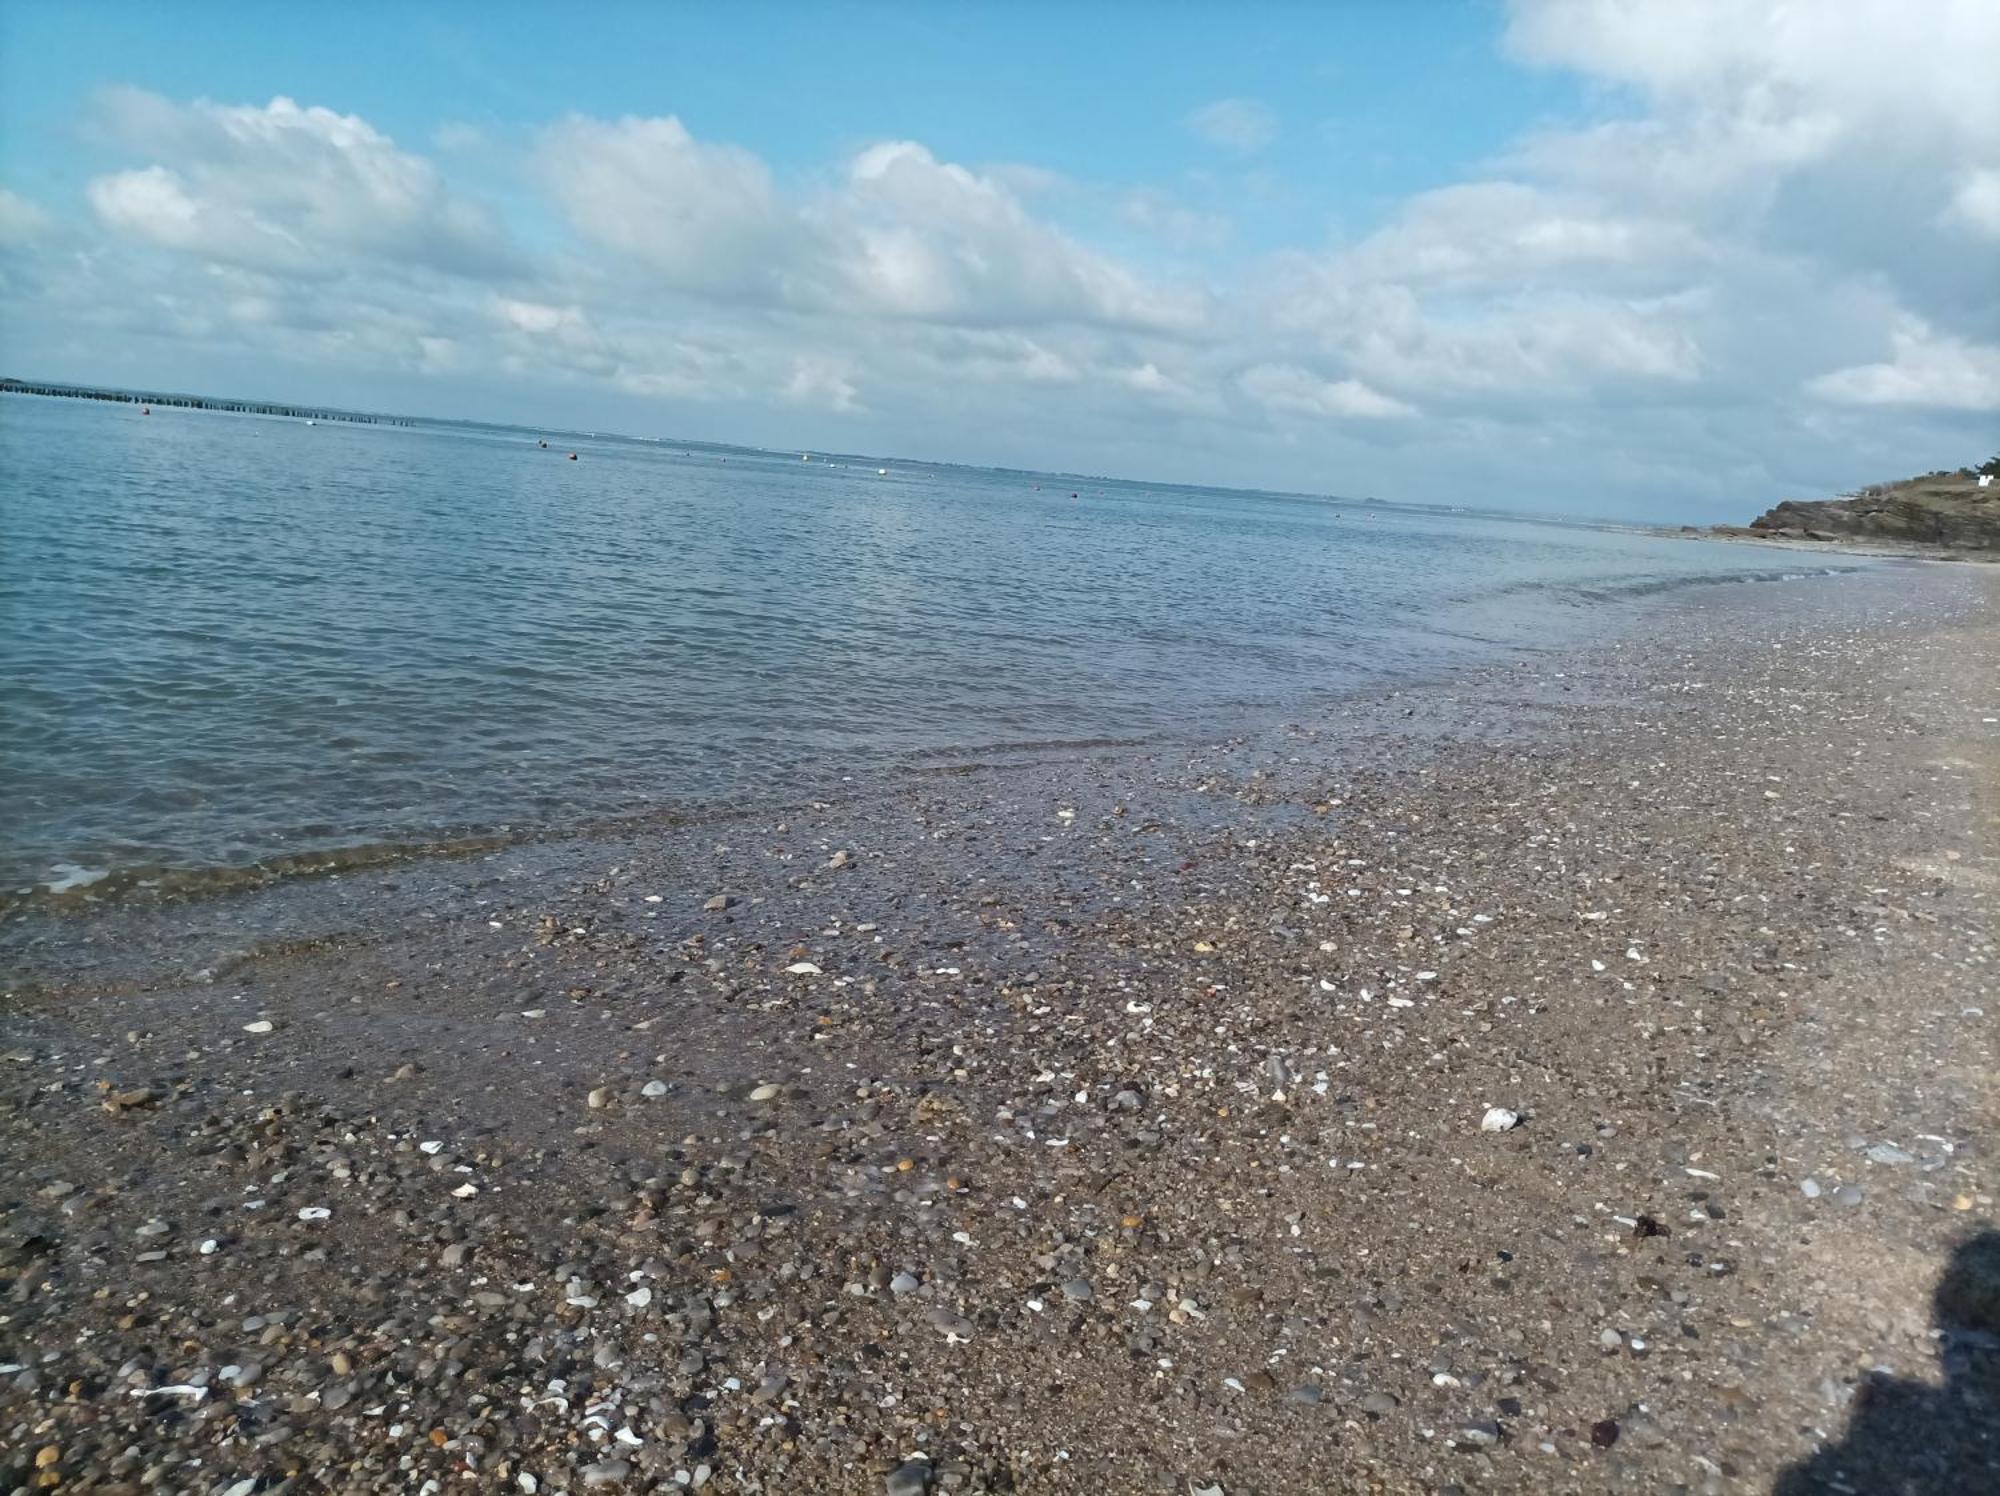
(1105, 1121)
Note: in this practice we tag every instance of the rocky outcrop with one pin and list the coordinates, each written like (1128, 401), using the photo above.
(1943, 509)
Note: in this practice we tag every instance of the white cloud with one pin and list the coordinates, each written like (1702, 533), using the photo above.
(1927, 368)
(1647, 300)
(1235, 124)
(1287, 387)
(1976, 203)
(21, 221)
(821, 381)
(285, 188)
(698, 216)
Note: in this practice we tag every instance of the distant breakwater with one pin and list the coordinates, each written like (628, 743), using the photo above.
(197, 402)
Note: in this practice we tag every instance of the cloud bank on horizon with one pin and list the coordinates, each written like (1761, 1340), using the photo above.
(1767, 258)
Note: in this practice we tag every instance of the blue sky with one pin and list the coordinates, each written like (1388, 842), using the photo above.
(1613, 256)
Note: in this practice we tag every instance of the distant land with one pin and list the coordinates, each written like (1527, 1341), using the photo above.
(293, 410)
(1946, 512)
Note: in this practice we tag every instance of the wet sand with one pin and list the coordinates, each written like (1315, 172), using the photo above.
(1105, 1121)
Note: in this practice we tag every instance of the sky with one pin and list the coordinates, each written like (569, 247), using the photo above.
(1642, 259)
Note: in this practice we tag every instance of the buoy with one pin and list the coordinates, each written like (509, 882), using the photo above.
(572, 457)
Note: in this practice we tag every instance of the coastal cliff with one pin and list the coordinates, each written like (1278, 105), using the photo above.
(1947, 509)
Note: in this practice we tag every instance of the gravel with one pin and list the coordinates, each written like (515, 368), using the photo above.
(1126, 1130)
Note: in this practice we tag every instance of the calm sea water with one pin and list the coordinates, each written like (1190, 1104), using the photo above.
(233, 640)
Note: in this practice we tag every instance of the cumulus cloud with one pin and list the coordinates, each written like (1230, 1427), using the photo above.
(1287, 387)
(1926, 368)
(21, 221)
(285, 187)
(1764, 252)
(699, 216)
(1235, 124)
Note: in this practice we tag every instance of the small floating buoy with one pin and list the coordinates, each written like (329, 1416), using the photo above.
(572, 457)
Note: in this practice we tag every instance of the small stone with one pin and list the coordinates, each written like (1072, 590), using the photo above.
(1378, 1404)
(840, 859)
(456, 1254)
(1078, 1291)
(598, 1099)
(911, 1478)
(771, 1388)
(1499, 1119)
(606, 1472)
(261, 1026)
(1809, 1188)
(125, 1101)
(1481, 1433)
(904, 1283)
(1306, 1392)
(47, 1455)
(802, 969)
(952, 1325)
(766, 1093)
(1848, 1194)
(1888, 1153)
(639, 1297)
(717, 904)
(653, 1089)
(1604, 1433)
(1611, 1340)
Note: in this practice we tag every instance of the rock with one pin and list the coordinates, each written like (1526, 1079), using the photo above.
(1378, 1404)
(261, 1026)
(1888, 1153)
(1604, 1433)
(911, 1478)
(840, 859)
(1306, 1392)
(717, 904)
(607, 1472)
(802, 969)
(904, 1283)
(125, 1101)
(766, 1093)
(1848, 1194)
(1480, 1433)
(951, 1324)
(1809, 1188)
(598, 1099)
(653, 1089)
(1078, 1291)
(1499, 1119)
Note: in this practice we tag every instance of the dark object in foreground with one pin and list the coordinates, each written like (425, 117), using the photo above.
(1914, 1439)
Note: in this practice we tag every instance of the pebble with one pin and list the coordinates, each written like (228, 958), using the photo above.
(1809, 1188)
(1480, 1433)
(653, 1089)
(766, 1093)
(261, 1026)
(904, 1283)
(1848, 1194)
(1078, 1291)
(1499, 1119)
(1380, 1404)
(718, 903)
(598, 1099)
(911, 1478)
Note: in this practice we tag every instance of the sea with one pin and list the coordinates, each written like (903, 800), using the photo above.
(237, 642)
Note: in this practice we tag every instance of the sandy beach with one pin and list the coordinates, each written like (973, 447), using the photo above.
(1578, 1074)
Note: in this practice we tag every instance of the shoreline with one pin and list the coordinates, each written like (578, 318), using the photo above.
(1702, 905)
